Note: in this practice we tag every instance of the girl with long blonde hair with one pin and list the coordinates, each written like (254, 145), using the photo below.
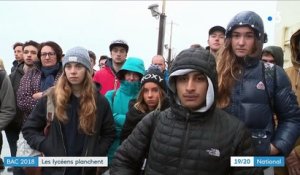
(151, 97)
(82, 124)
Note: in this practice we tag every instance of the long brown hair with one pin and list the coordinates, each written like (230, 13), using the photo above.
(229, 68)
(1, 65)
(141, 104)
(87, 109)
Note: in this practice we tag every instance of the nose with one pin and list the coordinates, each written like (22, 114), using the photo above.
(72, 69)
(47, 56)
(131, 77)
(241, 40)
(149, 94)
(118, 52)
(190, 85)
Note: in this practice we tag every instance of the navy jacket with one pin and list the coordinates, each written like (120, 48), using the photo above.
(249, 102)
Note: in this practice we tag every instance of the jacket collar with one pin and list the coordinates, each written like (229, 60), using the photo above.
(248, 61)
(181, 113)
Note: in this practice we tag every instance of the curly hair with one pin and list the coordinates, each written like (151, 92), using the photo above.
(87, 109)
(57, 49)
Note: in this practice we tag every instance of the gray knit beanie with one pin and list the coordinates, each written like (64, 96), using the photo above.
(78, 55)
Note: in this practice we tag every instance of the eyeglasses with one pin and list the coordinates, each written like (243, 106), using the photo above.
(50, 54)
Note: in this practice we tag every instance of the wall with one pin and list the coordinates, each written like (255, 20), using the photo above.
(288, 22)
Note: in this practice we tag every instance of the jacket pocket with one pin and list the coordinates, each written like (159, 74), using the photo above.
(261, 140)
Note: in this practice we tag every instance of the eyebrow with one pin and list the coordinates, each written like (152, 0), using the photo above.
(252, 32)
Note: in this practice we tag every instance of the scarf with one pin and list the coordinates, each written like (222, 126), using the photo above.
(48, 76)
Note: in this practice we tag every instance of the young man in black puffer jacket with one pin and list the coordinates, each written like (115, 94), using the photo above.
(192, 136)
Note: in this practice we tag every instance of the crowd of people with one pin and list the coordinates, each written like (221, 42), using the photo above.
(231, 98)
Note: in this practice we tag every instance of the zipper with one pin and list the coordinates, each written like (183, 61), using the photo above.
(62, 136)
(186, 128)
(85, 154)
(115, 83)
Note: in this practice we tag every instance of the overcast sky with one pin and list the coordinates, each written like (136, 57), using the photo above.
(94, 24)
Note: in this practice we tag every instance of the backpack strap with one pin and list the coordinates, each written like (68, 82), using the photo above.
(49, 114)
(269, 80)
(157, 118)
(50, 108)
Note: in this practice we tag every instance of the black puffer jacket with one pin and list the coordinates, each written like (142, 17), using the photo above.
(134, 116)
(184, 142)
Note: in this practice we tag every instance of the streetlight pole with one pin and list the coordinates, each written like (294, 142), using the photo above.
(170, 47)
(161, 33)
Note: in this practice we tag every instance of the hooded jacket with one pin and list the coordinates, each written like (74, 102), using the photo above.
(294, 71)
(294, 75)
(119, 99)
(277, 54)
(185, 142)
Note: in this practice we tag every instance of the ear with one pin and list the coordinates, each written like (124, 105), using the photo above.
(265, 38)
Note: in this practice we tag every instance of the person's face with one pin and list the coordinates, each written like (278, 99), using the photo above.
(159, 61)
(192, 89)
(131, 76)
(118, 54)
(102, 63)
(75, 73)
(30, 55)
(93, 63)
(242, 41)
(151, 94)
(48, 56)
(216, 40)
(267, 57)
(18, 51)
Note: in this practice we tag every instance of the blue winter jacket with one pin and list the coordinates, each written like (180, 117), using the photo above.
(250, 103)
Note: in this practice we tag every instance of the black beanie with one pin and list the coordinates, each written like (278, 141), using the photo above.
(154, 75)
